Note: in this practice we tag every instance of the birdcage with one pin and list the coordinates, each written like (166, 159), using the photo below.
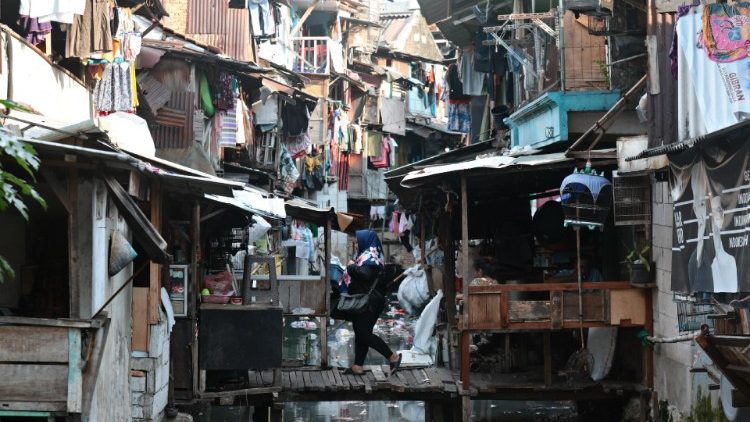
(586, 198)
(632, 200)
(692, 313)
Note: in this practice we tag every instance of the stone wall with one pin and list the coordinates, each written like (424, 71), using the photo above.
(673, 381)
(149, 375)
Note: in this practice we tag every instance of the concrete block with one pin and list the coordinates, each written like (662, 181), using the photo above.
(137, 399)
(160, 401)
(142, 364)
(136, 411)
(158, 338)
(138, 384)
(161, 377)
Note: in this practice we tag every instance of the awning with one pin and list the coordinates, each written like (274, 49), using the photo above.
(191, 50)
(360, 21)
(306, 211)
(254, 202)
(430, 130)
(489, 165)
(145, 233)
(737, 132)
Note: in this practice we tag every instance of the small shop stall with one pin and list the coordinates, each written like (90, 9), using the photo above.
(539, 288)
(256, 270)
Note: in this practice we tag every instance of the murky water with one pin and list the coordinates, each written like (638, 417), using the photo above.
(302, 344)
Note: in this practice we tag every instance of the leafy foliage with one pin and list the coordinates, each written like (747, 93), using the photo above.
(639, 255)
(14, 190)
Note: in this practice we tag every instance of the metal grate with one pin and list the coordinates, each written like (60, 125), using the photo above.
(632, 200)
(692, 314)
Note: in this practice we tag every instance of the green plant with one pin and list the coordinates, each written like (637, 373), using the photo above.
(15, 190)
(638, 255)
(704, 410)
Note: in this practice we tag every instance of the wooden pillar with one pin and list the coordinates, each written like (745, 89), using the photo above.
(465, 250)
(324, 320)
(547, 338)
(155, 270)
(423, 259)
(449, 268)
(648, 352)
(74, 255)
(194, 292)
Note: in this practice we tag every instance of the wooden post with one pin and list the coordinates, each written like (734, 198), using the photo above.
(194, 292)
(547, 337)
(74, 254)
(327, 289)
(465, 249)
(648, 352)
(423, 258)
(304, 18)
(449, 284)
(154, 294)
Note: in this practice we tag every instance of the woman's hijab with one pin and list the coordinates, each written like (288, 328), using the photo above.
(369, 249)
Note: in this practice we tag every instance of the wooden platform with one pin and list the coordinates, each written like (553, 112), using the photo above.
(314, 384)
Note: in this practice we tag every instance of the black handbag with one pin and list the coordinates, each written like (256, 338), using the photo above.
(357, 303)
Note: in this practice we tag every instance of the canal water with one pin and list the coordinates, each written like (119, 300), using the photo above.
(302, 344)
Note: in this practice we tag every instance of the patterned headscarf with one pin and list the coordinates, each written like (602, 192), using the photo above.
(369, 249)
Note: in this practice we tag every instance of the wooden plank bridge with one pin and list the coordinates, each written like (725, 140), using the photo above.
(427, 384)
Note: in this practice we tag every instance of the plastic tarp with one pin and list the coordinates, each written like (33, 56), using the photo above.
(128, 132)
(425, 324)
(413, 291)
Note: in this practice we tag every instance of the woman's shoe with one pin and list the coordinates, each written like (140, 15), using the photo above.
(349, 371)
(395, 365)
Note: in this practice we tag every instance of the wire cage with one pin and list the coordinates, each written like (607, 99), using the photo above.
(632, 200)
(692, 313)
(586, 199)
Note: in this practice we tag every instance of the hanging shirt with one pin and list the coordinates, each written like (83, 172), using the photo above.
(473, 81)
(267, 112)
(261, 18)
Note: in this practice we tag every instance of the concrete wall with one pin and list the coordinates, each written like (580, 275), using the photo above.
(149, 376)
(672, 362)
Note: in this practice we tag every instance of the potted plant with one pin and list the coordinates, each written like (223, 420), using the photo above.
(639, 264)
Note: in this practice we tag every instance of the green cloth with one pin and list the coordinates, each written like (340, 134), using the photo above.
(206, 102)
(374, 144)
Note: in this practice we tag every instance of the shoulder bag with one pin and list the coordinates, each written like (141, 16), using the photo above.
(357, 303)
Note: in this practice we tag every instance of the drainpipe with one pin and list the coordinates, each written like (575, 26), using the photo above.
(561, 44)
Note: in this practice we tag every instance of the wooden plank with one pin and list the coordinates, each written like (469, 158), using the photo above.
(74, 253)
(366, 381)
(286, 381)
(33, 344)
(317, 379)
(75, 379)
(525, 310)
(556, 312)
(34, 383)
(340, 384)
(307, 380)
(377, 372)
(465, 249)
(628, 305)
(550, 287)
(397, 384)
(403, 380)
(139, 340)
(47, 322)
(155, 270)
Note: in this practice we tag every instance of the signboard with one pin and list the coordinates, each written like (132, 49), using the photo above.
(710, 187)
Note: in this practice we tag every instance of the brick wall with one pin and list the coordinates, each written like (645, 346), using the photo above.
(672, 362)
(177, 19)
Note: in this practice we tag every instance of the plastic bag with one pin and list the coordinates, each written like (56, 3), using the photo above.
(413, 291)
(259, 228)
(425, 324)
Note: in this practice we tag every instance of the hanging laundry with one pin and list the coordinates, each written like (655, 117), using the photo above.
(228, 135)
(224, 93)
(382, 160)
(90, 32)
(296, 117)
(374, 143)
(47, 10)
(33, 30)
(344, 172)
(313, 176)
(288, 173)
(205, 95)
(726, 31)
(473, 81)
(298, 145)
(261, 18)
(454, 85)
(113, 92)
(357, 139)
(459, 116)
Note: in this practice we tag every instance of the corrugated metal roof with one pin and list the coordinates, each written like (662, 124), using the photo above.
(176, 136)
(409, 34)
(213, 22)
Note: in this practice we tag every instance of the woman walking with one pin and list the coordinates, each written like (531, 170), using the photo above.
(363, 273)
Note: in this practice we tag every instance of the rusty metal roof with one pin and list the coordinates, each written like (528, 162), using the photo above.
(408, 34)
(214, 23)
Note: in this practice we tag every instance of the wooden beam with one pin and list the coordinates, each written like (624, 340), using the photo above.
(327, 299)
(705, 341)
(57, 187)
(74, 254)
(304, 18)
(155, 270)
(194, 292)
(465, 248)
